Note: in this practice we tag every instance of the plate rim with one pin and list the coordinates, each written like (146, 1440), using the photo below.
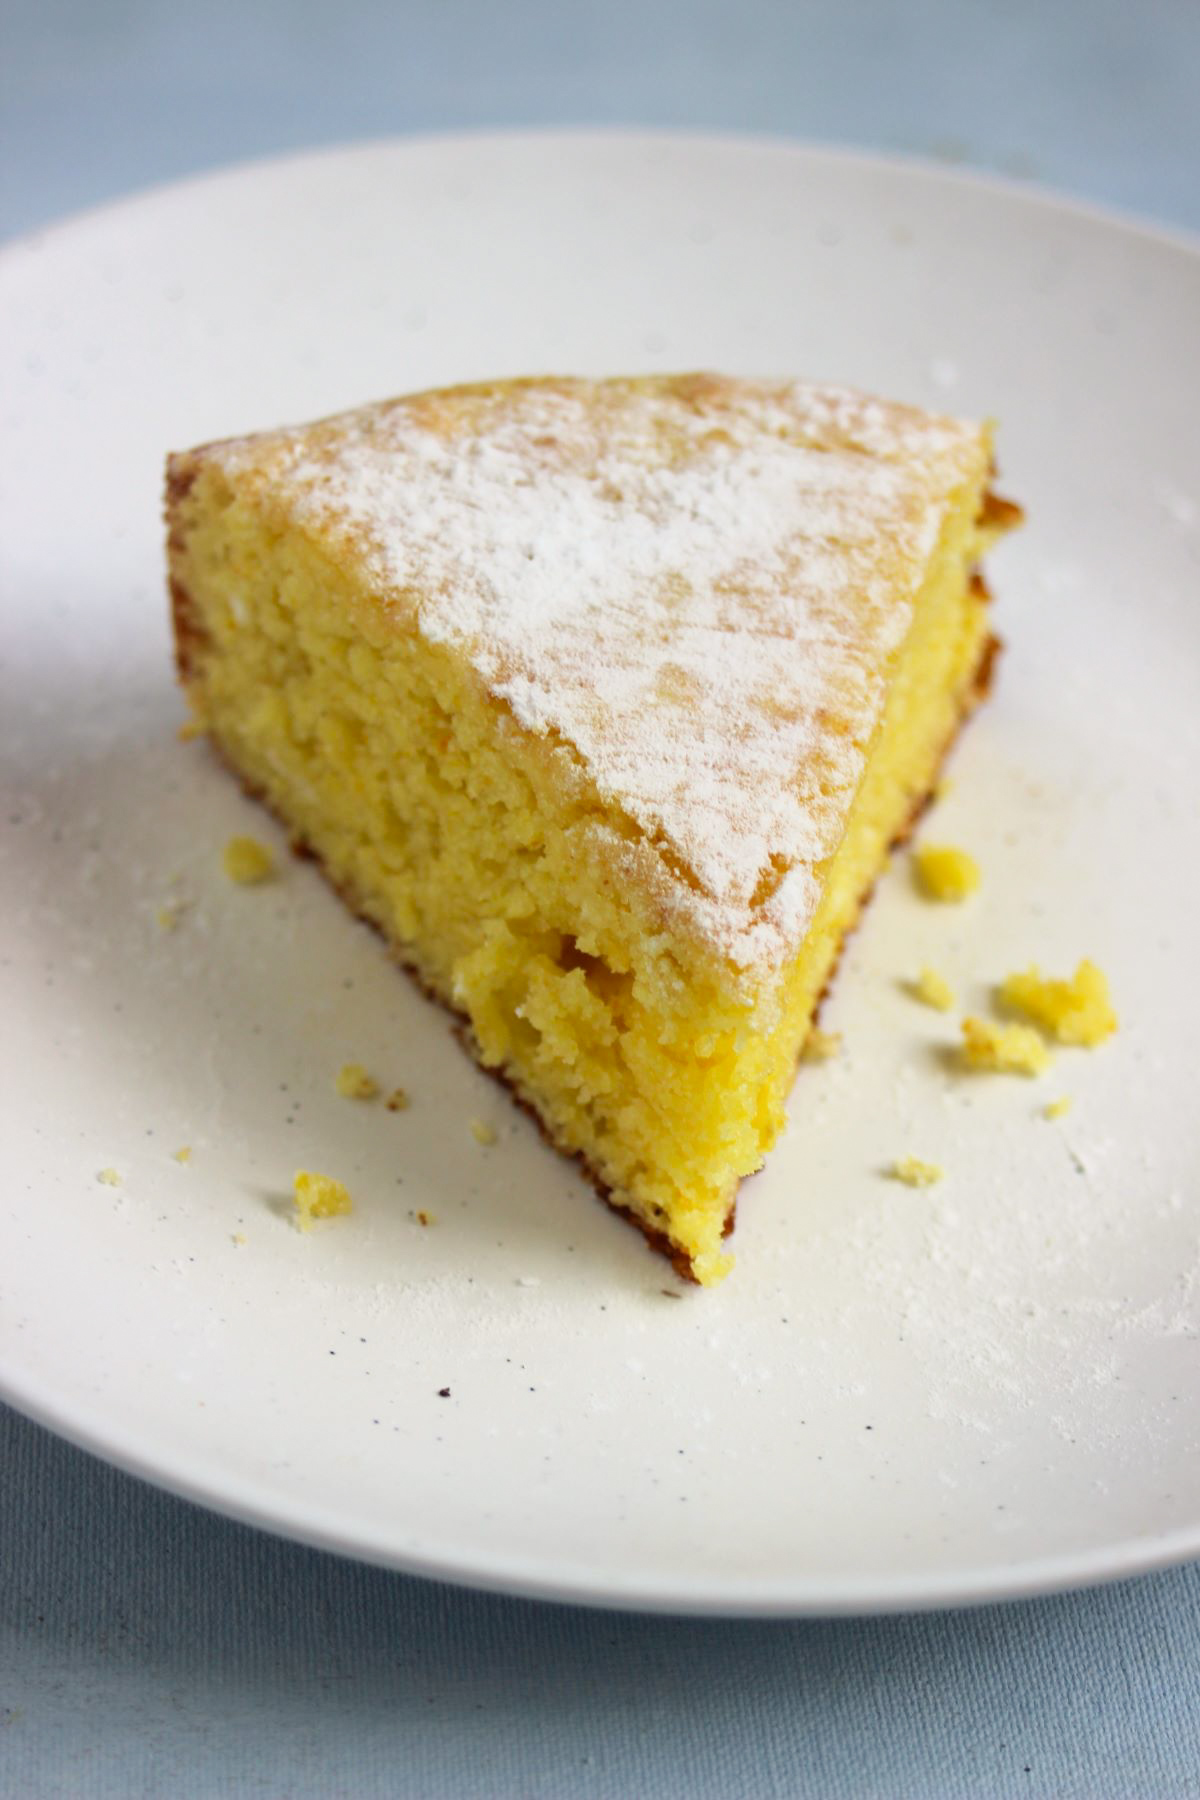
(520, 1578)
(1044, 196)
(265, 1508)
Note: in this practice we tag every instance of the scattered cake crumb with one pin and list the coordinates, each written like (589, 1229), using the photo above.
(915, 1173)
(821, 1046)
(354, 1083)
(239, 1238)
(425, 1218)
(183, 1154)
(932, 989)
(247, 862)
(482, 1132)
(1077, 1011)
(167, 917)
(1010, 1049)
(1057, 1109)
(944, 873)
(109, 1177)
(318, 1197)
(397, 1100)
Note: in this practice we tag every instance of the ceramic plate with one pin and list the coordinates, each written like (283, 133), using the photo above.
(901, 1397)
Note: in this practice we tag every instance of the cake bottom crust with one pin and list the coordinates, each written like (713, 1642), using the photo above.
(976, 691)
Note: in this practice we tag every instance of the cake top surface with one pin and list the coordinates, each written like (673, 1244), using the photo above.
(694, 583)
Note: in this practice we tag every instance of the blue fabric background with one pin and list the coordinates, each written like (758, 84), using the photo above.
(1096, 96)
(148, 1648)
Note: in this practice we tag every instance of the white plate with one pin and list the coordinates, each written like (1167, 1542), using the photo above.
(900, 1398)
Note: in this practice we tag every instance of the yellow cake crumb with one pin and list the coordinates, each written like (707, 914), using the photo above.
(482, 1132)
(600, 977)
(1057, 1109)
(915, 1173)
(425, 1218)
(932, 989)
(109, 1177)
(397, 1100)
(944, 873)
(821, 1046)
(318, 1197)
(168, 917)
(239, 1238)
(353, 1083)
(183, 1154)
(1077, 1011)
(247, 862)
(1011, 1049)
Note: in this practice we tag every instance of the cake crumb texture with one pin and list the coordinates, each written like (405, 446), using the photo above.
(605, 701)
(915, 1173)
(183, 1154)
(944, 873)
(318, 1197)
(1057, 1109)
(247, 862)
(821, 1046)
(932, 989)
(354, 1083)
(108, 1177)
(1075, 1011)
(482, 1132)
(398, 1100)
(1007, 1049)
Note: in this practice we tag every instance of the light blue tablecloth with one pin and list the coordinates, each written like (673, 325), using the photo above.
(149, 1648)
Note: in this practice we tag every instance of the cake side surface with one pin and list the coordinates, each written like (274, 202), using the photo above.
(632, 877)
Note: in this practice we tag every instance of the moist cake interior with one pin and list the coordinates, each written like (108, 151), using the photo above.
(530, 835)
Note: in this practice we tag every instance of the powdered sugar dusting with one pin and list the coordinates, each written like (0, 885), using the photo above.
(694, 583)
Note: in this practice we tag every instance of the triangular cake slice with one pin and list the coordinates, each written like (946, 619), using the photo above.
(604, 700)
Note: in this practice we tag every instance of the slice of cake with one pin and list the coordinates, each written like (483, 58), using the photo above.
(604, 700)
